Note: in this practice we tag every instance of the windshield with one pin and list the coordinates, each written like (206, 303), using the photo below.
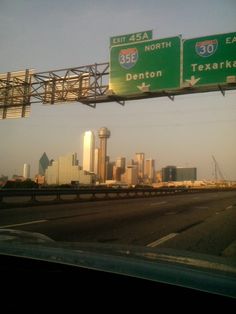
(125, 140)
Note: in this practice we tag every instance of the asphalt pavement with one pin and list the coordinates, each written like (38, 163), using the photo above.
(203, 222)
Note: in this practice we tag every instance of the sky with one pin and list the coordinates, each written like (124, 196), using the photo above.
(55, 34)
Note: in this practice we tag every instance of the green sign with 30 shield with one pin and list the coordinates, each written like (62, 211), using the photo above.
(209, 60)
(148, 66)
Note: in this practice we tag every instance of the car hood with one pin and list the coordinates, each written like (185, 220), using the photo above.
(187, 269)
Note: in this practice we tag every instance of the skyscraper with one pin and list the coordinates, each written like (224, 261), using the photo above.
(150, 170)
(103, 134)
(88, 151)
(26, 171)
(186, 174)
(119, 168)
(173, 173)
(140, 165)
(43, 164)
(66, 170)
(120, 163)
(96, 158)
(169, 173)
(131, 175)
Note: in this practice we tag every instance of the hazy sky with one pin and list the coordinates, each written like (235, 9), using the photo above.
(54, 34)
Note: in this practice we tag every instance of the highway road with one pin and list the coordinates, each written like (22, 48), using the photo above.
(203, 222)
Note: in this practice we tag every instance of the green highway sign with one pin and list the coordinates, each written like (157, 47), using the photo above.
(209, 60)
(130, 38)
(149, 66)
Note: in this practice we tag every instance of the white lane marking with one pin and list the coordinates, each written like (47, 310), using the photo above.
(229, 207)
(162, 240)
(157, 203)
(24, 223)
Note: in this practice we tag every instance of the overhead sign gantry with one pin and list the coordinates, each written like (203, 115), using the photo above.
(139, 68)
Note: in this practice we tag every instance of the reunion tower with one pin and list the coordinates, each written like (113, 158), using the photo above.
(103, 134)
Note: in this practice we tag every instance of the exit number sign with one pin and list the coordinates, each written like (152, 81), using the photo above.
(130, 38)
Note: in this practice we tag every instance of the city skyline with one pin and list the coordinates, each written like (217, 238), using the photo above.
(145, 166)
(184, 132)
(138, 159)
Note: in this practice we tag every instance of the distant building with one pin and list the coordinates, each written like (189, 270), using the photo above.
(66, 170)
(150, 170)
(117, 172)
(88, 151)
(186, 174)
(158, 176)
(120, 163)
(140, 163)
(103, 135)
(131, 175)
(169, 173)
(131, 162)
(43, 164)
(26, 171)
(96, 156)
(173, 173)
(39, 179)
(110, 166)
(119, 168)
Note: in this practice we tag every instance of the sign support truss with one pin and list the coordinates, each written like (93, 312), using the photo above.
(83, 84)
(15, 90)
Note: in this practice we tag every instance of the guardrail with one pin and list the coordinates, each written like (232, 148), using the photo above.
(17, 196)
